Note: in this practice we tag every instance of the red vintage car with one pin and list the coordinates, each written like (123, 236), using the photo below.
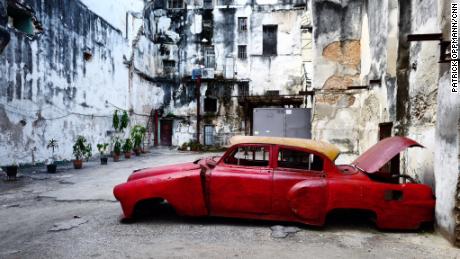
(285, 179)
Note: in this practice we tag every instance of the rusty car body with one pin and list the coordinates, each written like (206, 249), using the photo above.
(285, 179)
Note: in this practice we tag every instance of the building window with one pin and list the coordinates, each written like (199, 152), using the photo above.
(270, 40)
(169, 66)
(225, 2)
(242, 54)
(21, 18)
(207, 4)
(242, 24)
(210, 104)
(243, 89)
(175, 4)
(209, 58)
(169, 63)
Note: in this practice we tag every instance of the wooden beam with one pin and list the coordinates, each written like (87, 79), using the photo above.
(424, 37)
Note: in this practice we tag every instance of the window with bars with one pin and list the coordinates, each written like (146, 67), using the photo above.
(224, 2)
(207, 4)
(270, 37)
(242, 24)
(210, 57)
(242, 52)
(175, 4)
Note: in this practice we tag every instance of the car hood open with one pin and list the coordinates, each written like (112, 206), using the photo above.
(379, 154)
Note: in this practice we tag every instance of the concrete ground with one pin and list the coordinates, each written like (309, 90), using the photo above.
(72, 214)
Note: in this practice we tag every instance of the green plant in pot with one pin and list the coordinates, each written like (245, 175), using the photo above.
(116, 149)
(127, 147)
(81, 150)
(195, 145)
(102, 148)
(51, 165)
(137, 134)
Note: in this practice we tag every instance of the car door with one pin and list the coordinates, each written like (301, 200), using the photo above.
(241, 183)
(299, 184)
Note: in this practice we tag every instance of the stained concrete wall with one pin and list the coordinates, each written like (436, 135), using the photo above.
(365, 44)
(447, 144)
(49, 90)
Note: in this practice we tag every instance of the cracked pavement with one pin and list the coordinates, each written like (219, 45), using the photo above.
(73, 214)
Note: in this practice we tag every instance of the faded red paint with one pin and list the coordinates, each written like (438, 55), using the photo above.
(217, 189)
(379, 154)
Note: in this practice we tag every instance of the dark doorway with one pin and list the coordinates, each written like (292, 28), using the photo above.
(391, 167)
(166, 132)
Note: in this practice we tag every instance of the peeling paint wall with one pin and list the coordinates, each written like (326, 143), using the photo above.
(49, 89)
(91, 57)
(367, 73)
(447, 144)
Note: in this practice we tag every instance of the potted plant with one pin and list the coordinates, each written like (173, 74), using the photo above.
(124, 121)
(116, 149)
(115, 120)
(11, 170)
(127, 147)
(137, 134)
(102, 148)
(81, 150)
(51, 166)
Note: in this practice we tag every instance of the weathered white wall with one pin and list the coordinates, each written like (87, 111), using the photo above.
(447, 143)
(50, 91)
(357, 41)
(446, 157)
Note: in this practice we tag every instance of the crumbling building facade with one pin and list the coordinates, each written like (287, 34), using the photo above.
(69, 64)
(382, 68)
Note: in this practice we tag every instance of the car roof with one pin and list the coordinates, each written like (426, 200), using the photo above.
(327, 149)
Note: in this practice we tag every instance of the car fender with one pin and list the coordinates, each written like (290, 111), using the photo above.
(183, 191)
(308, 200)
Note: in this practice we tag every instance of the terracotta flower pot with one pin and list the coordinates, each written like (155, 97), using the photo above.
(127, 155)
(116, 157)
(77, 164)
(137, 151)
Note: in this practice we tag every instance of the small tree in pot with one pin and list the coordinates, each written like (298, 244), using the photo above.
(127, 148)
(116, 149)
(81, 150)
(51, 166)
(102, 148)
(137, 134)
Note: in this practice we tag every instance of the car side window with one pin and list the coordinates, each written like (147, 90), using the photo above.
(288, 158)
(249, 156)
